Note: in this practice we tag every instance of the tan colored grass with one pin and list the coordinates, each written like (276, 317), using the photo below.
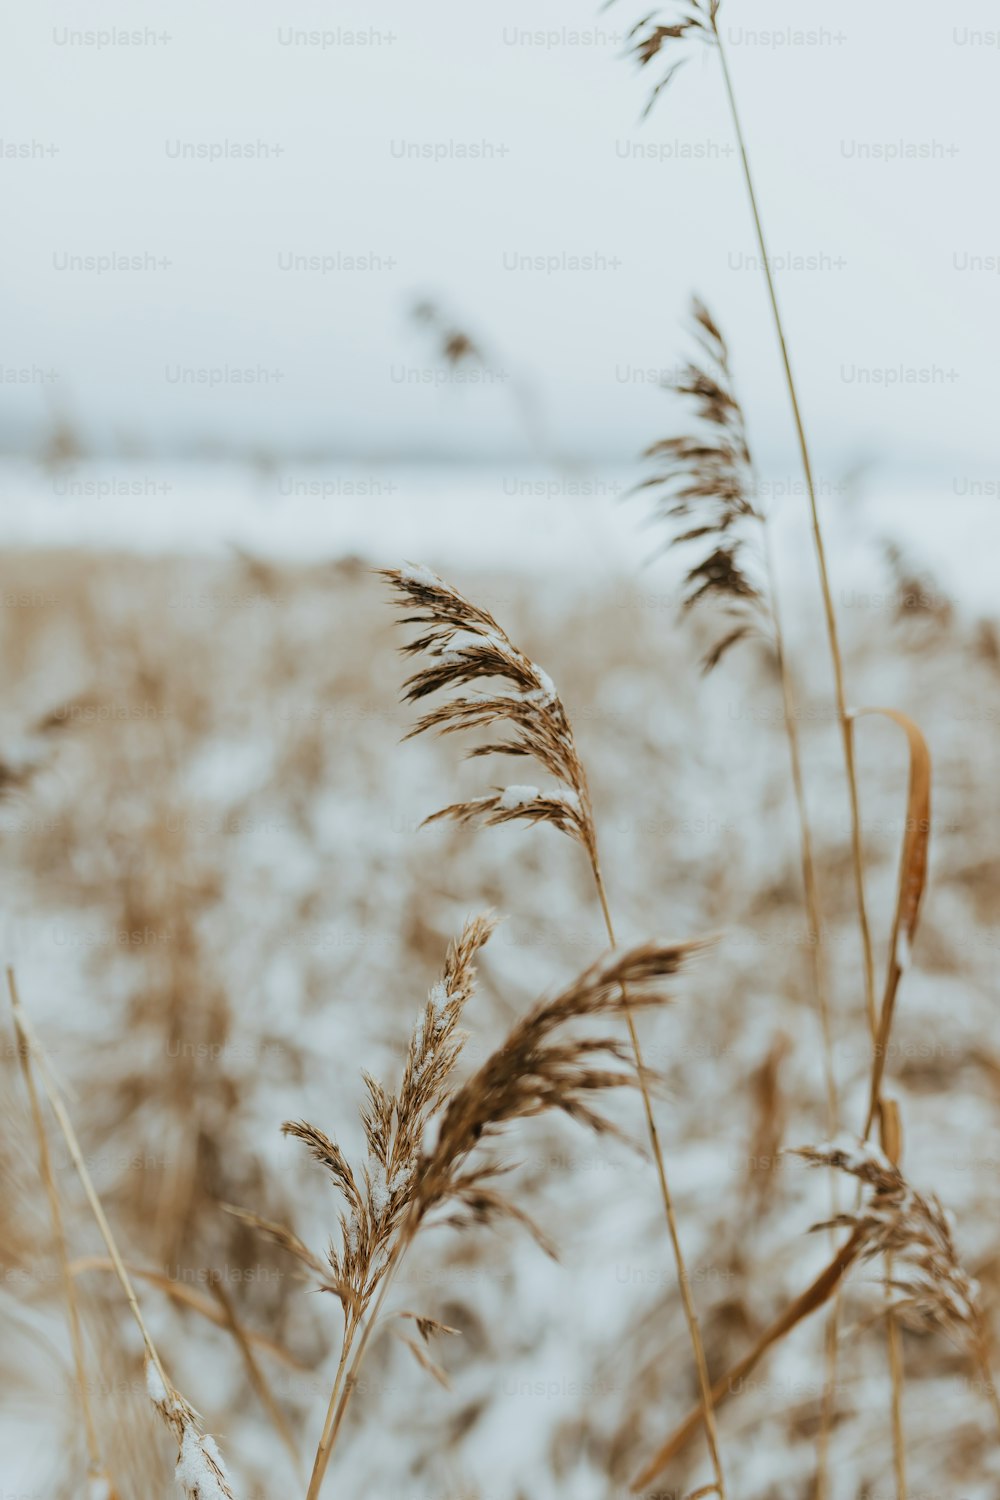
(200, 1470)
(764, 1089)
(97, 1470)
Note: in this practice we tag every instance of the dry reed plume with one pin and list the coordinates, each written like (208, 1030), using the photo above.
(934, 1291)
(463, 644)
(703, 490)
(422, 1138)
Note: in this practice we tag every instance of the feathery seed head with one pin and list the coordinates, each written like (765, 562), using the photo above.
(420, 1140)
(378, 1197)
(703, 488)
(463, 644)
(539, 1068)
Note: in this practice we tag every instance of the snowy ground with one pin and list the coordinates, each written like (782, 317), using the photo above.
(221, 910)
(524, 516)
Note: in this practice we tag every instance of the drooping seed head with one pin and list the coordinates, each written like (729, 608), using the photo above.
(703, 486)
(463, 645)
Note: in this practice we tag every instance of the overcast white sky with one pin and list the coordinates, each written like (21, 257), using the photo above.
(894, 289)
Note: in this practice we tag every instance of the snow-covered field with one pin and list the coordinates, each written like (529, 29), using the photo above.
(526, 516)
(221, 910)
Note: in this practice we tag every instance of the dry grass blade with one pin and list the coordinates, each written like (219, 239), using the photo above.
(97, 1474)
(891, 1129)
(428, 1365)
(200, 1470)
(910, 891)
(278, 1234)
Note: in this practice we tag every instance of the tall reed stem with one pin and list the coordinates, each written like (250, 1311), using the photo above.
(332, 1423)
(346, 1378)
(817, 949)
(896, 1367)
(690, 1311)
(810, 882)
(844, 716)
